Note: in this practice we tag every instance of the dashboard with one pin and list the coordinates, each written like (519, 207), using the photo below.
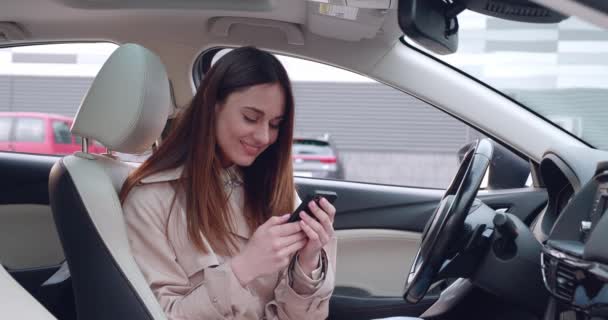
(560, 181)
(573, 229)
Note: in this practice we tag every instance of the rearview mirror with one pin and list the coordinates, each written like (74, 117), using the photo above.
(431, 23)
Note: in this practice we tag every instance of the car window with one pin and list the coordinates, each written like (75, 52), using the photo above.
(5, 128)
(29, 130)
(374, 133)
(381, 135)
(61, 132)
(46, 87)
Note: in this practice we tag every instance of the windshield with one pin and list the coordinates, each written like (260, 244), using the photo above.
(559, 71)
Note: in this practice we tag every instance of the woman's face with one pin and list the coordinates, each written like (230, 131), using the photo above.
(248, 123)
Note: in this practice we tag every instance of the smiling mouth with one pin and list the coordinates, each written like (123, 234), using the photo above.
(250, 150)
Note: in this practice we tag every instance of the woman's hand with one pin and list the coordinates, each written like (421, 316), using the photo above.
(319, 233)
(269, 249)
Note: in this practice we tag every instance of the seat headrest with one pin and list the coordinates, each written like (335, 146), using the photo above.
(128, 103)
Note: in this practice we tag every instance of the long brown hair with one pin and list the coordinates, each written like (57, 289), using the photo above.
(191, 142)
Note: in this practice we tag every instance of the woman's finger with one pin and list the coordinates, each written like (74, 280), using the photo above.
(328, 208)
(277, 220)
(289, 240)
(323, 218)
(292, 248)
(310, 233)
(316, 227)
(319, 213)
(285, 229)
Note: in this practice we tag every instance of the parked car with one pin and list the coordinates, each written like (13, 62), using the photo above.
(40, 133)
(316, 157)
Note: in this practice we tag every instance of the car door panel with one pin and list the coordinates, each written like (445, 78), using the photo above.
(379, 228)
(392, 207)
(28, 238)
(30, 249)
(25, 178)
(374, 262)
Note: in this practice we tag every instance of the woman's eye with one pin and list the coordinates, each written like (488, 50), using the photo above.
(275, 125)
(250, 120)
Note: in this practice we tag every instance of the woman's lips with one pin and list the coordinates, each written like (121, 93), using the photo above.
(249, 149)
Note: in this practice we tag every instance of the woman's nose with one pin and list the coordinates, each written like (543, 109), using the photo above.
(262, 135)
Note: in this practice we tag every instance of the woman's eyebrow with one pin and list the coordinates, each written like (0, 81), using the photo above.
(260, 112)
(254, 109)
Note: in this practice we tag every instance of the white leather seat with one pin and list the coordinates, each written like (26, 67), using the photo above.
(17, 303)
(125, 109)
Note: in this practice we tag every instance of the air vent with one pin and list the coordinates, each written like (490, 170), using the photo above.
(517, 11)
(559, 277)
(548, 264)
(565, 281)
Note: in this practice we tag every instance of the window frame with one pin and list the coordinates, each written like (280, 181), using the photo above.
(55, 140)
(203, 62)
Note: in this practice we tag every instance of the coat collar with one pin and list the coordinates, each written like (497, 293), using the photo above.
(164, 176)
(231, 176)
(232, 184)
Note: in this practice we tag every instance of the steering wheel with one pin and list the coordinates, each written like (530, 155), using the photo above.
(447, 223)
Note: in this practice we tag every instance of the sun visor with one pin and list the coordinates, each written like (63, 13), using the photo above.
(346, 22)
(10, 31)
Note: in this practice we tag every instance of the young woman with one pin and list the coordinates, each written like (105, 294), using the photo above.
(206, 213)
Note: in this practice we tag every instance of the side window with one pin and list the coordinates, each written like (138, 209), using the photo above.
(47, 81)
(61, 132)
(354, 128)
(350, 127)
(29, 130)
(5, 129)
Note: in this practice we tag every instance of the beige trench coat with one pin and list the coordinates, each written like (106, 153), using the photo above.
(192, 285)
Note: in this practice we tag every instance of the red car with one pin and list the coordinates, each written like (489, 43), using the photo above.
(40, 133)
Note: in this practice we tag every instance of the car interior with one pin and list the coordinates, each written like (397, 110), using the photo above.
(519, 232)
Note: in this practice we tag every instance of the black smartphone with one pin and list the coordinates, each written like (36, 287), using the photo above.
(316, 196)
